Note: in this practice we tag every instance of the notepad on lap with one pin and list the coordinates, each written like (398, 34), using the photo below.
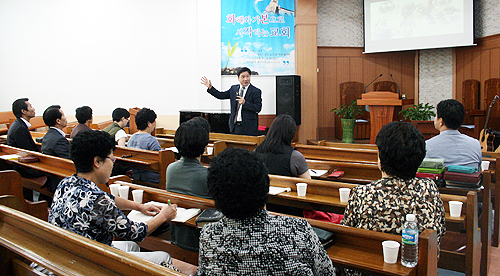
(183, 214)
(278, 190)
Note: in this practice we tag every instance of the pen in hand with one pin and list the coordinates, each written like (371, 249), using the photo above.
(168, 202)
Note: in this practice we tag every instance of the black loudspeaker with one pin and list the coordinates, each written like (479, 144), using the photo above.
(288, 96)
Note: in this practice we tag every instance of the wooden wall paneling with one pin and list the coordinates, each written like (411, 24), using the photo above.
(331, 90)
(459, 73)
(495, 63)
(342, 72)
(468, 65)
(328, 100)
(476, 65)
(383, 68)
(407, 85)
(356, 69)
(485, 72)
(369, 65)
(395, 69)
(321, 89)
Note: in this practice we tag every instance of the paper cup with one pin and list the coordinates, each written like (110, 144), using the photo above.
(301, 189)
(114, 189)
(137, 195)
(455, 208)
(123, 190)
(485, 165)
(344, 194)
(391, 251)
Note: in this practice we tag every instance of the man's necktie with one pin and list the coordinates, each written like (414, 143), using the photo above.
(238, 105)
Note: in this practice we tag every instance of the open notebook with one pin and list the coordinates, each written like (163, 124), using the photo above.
(183, 214)
(10, 156)
(317, 173)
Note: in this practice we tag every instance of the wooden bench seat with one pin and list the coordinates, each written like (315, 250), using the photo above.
(11, 184)
(351, 246)
(324, 196)
(343, 154)
(25, 239)
(225, 140)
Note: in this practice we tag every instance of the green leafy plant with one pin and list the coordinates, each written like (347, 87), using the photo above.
(230, 51)
(348, 111)
(418, 112)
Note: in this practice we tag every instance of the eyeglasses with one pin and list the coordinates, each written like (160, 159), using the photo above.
(112, 158)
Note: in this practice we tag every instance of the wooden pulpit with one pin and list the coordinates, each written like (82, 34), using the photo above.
(381, 109)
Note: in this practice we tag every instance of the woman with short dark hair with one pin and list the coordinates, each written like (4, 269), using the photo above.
(80, 206)
(249, 241)
(383, 205)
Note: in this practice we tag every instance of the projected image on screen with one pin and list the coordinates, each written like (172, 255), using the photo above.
(393, 19)
(410, 24)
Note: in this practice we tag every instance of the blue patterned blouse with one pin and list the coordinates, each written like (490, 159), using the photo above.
(83, 208)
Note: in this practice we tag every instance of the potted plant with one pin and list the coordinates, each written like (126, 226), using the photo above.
(420, 116)
(347, 114)
(418, 112)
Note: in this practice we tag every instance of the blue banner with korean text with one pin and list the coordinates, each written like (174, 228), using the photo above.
(258, 34)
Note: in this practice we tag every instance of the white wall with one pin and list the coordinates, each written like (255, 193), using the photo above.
(110, 53)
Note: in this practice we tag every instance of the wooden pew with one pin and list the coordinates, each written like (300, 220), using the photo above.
(357, 173)
(60, 168)
(225, 140)
(25, 239)
(324, 196)
(5, 117)
(325, 143)
(11, 184)
(36, 122)
(343, 154)
(48, 165)
(156, 161)
(353, 248)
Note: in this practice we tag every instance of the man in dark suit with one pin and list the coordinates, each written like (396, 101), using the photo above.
(19, 135)
(246, 103)
(54, 142)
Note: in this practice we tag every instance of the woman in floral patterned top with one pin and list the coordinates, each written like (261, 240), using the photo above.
(249, 241)
(383, 204)
(80, 206)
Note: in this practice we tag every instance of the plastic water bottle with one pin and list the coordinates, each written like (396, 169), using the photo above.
(409, 244)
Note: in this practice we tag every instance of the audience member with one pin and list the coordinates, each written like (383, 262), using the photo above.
(281, 158)
(383, 205)
(188, 176)
(145, 120)
(247, 240)
(277, 152)
(455, 148)
(54, 141)
(84, 117)
(19, 135)
(120, 120)
(80, 206)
